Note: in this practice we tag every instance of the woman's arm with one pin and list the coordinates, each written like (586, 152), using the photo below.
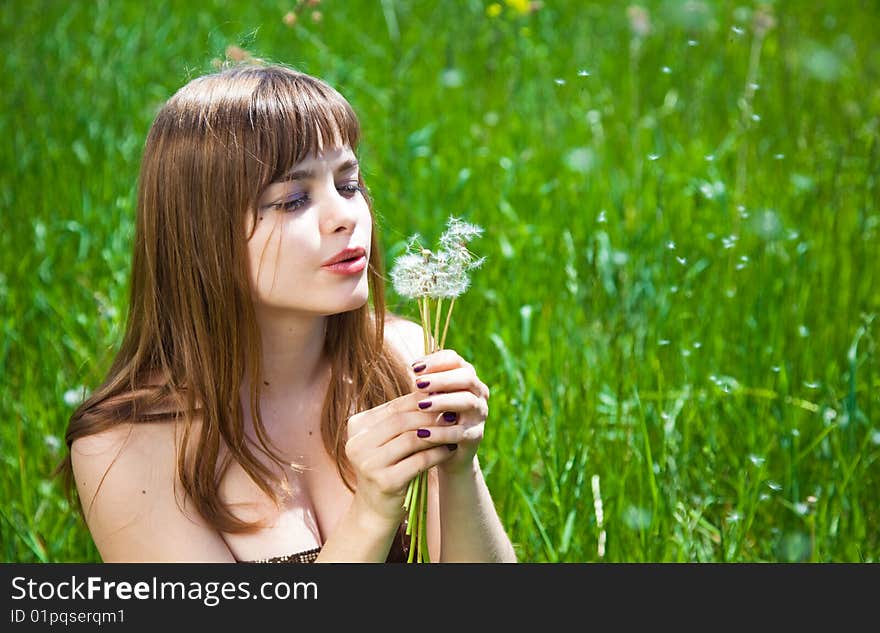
(471, 529)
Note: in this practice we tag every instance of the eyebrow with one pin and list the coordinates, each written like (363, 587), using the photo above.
(307, 174)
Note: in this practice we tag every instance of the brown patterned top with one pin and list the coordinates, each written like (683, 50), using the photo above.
(397, 554)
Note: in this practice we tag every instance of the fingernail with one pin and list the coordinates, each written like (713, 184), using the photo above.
(423, 383)
(452, 447)
(418, 368)
(423, 433)
(450, 416)
(424, 404)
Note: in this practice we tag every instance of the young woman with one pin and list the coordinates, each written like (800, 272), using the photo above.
(263, 406)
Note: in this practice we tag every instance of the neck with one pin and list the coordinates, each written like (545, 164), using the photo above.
(292, 349)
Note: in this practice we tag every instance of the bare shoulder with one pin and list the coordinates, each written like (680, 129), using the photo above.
(405, 337)
(127, 483)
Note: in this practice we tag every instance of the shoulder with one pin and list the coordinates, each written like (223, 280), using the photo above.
(406, 338)
(126, 479)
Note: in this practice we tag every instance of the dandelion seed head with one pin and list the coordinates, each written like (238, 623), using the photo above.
(420, 272)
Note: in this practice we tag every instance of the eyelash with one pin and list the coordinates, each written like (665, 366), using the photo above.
(294, 204)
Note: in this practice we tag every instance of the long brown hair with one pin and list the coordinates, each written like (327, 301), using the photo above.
(213, 148)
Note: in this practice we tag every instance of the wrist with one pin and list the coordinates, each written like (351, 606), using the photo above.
(370, 521)
(466, 472)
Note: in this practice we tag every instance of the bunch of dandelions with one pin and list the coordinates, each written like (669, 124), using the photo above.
(432, 277)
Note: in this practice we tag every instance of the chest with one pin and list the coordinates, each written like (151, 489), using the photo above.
(311, 496)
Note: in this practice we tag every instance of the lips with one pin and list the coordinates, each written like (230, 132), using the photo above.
(349, 254)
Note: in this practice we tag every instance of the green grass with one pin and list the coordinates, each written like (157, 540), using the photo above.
(679, 299)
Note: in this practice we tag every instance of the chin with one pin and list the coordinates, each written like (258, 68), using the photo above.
(355, 302)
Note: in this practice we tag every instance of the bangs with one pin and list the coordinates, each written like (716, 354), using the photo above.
(294, 115)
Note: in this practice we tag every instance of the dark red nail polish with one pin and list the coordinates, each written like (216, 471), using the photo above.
(423, 383)
(419, 368)
(450, 416)
(452, 447)
(423, 433)
(425, 404)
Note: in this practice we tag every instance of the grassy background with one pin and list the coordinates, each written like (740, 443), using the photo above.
(679, 302)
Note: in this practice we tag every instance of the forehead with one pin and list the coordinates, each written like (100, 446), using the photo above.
(325, 158)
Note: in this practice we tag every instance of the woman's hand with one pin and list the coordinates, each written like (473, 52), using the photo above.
(459, 400)
(439, 424)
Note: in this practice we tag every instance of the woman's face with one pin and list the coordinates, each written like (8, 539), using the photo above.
(302, 223)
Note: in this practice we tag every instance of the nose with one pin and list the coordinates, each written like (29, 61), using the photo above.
(338, 212)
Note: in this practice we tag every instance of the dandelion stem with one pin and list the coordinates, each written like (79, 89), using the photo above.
(423, 315)
(424, 556)
(446, 327)
(437, 325)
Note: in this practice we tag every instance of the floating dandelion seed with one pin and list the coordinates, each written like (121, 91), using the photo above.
(559, 81)
(52, 442)
(72, 397)
(602, 219)
(670, 245)
(666, 70)
(692, 42)
(653, 156)
(583, 73)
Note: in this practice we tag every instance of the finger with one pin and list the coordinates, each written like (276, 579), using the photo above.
(406, 469)
(440, 360)
(458, 379)
(458, 401)
(412, 442)
(400, 416)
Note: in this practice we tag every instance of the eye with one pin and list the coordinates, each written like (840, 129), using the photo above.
(350, 189)
(292, 203)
